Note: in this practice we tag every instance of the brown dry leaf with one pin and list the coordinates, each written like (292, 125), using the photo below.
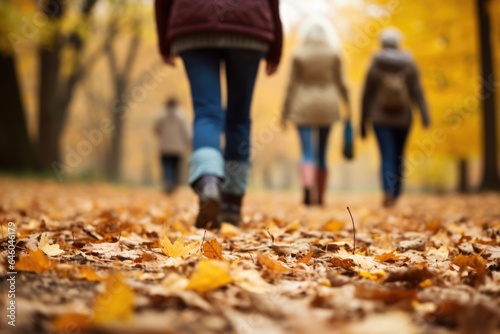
(47, 248)
(307, 258)
(388, 257)
(71, 323)
(178, 248)
(333, 226)
(116, 303)
(475, 262)
(270, 263)
(413, 275)
(386, 295)
(35, 261)
(212, 250)
(209, 275)
(343, 263)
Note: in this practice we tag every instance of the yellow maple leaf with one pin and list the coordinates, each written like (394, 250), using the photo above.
(387, 257)
(373, 276)
(333, 226)
(270, 263)
(35, 261)
(178, 248)
(210, 275)
(212, 250)
(116, 303)
(47, 248)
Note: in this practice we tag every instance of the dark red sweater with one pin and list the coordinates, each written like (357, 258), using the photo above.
(254, 18)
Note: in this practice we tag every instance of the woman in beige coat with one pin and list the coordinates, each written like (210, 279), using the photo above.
(312, 102)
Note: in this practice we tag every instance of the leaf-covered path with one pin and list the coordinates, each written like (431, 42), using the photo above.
(94, 258)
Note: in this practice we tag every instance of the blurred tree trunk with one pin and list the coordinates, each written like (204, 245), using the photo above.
(120, 77)
(16, 152)
(463, 171)
(56, 92)
(491, 180)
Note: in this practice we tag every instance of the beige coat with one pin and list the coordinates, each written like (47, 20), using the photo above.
(173, 132)
(316, 83)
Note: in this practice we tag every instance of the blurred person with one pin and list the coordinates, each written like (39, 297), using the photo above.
(205, 34)
(315, 87)
(392, 86)
(173, 133)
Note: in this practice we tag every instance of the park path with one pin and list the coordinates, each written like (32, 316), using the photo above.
(97, 258)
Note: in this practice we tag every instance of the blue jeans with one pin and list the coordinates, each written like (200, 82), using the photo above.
(170, 164)
(391, 142)
(211, 120)
(314, 149)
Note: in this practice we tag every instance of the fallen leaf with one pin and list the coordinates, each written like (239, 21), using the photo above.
(475, 262)
(229, 230)
(386, 295)
(417, 244)
(343, 263)
(47, 248)
(250, 280)
(116, 303)
(179, 248)
(270, 263)
(376, 276)
(89, 274)
(413, 275)
(306, 259)
(71, 323)
(212, 250)
(333, 226)
(35, 261)
(209, 275)
(292, 227)
(388, 257)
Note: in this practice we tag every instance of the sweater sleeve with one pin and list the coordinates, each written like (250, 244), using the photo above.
(340, 79)
(418, 97)
(162, 13)
(368, 96)
(290, 92)
(274, 53)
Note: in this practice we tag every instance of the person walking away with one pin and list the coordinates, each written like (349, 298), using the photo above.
(315, 87)
(206, 34)
(392, 86)
(173, 134)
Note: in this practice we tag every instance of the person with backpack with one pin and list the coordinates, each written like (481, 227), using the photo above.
(315, 88)
(392, 87)
(173, 134)
(207, 34)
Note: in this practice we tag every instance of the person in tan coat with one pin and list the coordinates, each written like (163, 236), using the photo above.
(312, 102)
(172, 131)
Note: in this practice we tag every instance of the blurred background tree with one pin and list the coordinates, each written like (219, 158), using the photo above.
(69, 67)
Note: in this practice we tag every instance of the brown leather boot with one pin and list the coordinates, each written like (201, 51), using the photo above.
(231, 209)
(321, 180)
(208, 189)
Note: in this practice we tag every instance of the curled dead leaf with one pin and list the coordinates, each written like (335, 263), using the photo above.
(270, 263)
(35, 261)
(212, 250)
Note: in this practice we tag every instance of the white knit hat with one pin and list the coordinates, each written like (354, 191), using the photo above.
(390, 37)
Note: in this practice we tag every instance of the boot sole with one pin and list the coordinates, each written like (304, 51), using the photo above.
(209, 210)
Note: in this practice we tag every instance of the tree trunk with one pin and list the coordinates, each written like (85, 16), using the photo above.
(16, 152)
(491, 180)
(463, 184)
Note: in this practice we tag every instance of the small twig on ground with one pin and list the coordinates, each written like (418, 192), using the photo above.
(272, 237)
(353, 230)
(203, 241)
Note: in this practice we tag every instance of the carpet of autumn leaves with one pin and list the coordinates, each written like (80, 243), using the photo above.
(95, 258)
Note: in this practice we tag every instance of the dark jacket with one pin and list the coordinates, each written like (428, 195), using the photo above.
(254, 18)
(392, 60)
